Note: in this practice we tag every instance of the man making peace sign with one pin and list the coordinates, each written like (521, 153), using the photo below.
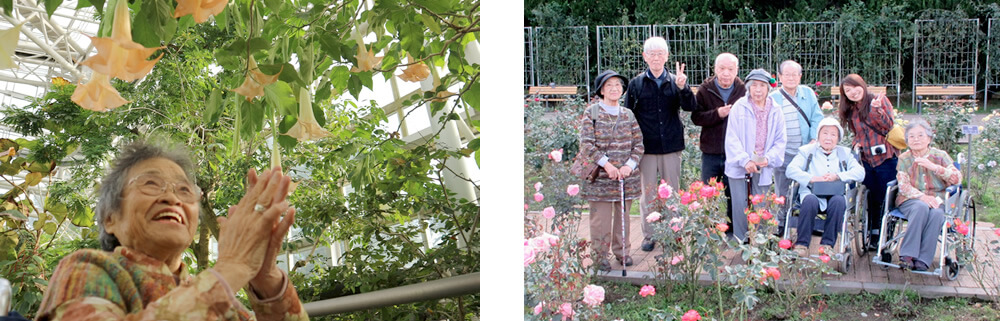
(656, 97)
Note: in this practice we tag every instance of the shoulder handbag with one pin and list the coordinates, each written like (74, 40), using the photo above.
(894, 136)
(828, 189)
(582, 167)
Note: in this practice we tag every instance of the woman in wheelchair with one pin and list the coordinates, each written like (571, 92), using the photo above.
(923, 175)
(820, 168)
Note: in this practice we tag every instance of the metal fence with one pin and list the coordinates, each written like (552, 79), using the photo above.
(690, 45)
(876, 53)
(992, 58)
(561, 56)
(809, 44)
(619, 48)
(751, 42)
(945, 53)
(529, 56)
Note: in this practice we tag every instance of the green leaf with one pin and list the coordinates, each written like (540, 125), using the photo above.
(213, 107)
(15, 214)
(157, 23)
(274, 5)
(437, 6)
(33, 179)
(354, 85)
(318, 113)
(430, 23)
(221, 19)
(251, 119)
(83, 218)
(366, 79)
(97, 4)
(288, 72)
(338, 78)
(8, 7)
(471, 96)
(279, 95)
(39, 167)
(52, 5)
(287, 142)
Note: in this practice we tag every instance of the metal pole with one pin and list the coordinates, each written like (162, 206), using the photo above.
(621, 187)
(430, 290)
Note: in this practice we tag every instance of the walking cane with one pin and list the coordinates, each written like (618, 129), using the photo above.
(621, 188)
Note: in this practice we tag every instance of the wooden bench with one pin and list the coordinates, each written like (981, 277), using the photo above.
(553, 93)
(835, 93)
(944, 94)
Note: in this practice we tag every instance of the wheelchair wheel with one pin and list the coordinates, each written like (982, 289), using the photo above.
(846, 263)
(860, 222)
(951, 269)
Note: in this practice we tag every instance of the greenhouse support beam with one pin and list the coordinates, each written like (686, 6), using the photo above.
(430, 290)
(48, 49)
(40, 13)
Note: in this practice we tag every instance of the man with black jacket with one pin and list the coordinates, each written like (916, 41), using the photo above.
(656, 97)
(715, 98)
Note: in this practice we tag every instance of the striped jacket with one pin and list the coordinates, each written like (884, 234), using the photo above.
(620, 146)
(128, 285)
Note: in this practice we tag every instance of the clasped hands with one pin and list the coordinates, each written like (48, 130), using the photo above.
(250, 236)
(828, 177)
(753, 167)
(617, 172)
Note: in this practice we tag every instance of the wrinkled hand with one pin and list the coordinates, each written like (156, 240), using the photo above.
(245, 234)
(268, 280)
(724, 110)
(612, 171)
(625, 171)
(681, 76)
(751, 167)
(927, 163)
(931, 201)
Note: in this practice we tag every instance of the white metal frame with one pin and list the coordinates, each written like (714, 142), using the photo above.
(699, 64)
(748, 61)
(956, 38)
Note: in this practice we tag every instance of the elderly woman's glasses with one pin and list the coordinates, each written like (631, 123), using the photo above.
(153, 185)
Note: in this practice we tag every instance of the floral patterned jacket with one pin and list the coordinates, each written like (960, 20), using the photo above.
(128, 285)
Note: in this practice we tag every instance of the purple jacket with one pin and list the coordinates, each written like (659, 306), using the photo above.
(741, 131)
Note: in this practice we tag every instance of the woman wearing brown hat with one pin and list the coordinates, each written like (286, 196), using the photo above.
(613, 140)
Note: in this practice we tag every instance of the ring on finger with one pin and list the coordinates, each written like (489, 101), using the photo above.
(259, 208)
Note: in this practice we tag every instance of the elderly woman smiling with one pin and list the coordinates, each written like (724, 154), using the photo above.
(923, 174)
(147, 212)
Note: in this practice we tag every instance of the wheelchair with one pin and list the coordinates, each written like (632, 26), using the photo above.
(950, 250)
(853, 228)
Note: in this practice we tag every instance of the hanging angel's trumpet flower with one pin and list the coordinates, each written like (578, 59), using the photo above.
(119, 56)
(414, 72)
(97, 94)
(253, 85)
(366, 60)
(8, 42)
(200, 9)
(306, 128)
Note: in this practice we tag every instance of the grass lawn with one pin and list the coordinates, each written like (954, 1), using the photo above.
(622, 301)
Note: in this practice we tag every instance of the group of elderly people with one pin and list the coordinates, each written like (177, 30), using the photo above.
(750, 132)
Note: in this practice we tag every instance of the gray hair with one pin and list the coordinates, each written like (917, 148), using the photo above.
(654, 43)
(918, 122)
(726, 56)
(789, 63)
(109, 200)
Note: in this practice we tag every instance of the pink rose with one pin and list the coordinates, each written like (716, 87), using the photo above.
(539, 197)
(593, 295)
(825, 258)
(549, 212)
(525, 206)
(529, 255)
(756, 199)
(719, 186)
(540, 244)
(722, 227)
(552, 239)
(538, 308)
(556, 155)
(687, 197)
(997, 232)
(773, 273)
(694, 206)
(653, 217)
(785, 244)
(566, 310)
(538, 186)
(676, 223)
(647, 290)
(765, 214)
(696, 185)
(753, 218)
(691, 315)
(572, 190)
(676, 259)
(962, 228)
(819, 83)
(707, 191)
(537, 99)
(664, 190)
(780, 200)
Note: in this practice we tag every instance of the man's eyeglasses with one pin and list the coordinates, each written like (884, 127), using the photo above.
(153, 185)
(657, 54)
